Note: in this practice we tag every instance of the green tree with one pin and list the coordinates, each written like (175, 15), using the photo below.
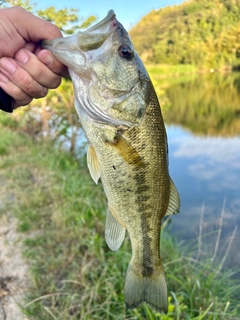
(204, 33)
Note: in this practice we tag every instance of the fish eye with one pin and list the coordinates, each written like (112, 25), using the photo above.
(125, 52)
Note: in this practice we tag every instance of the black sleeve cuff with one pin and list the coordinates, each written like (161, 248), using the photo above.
(5, 101)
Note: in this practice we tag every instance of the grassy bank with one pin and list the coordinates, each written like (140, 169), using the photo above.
(164, 76)
(74, 275)
(166, 71)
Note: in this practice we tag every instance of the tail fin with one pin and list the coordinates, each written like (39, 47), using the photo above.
(152, 290)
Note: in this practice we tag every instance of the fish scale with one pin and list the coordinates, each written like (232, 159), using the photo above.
(121, 117)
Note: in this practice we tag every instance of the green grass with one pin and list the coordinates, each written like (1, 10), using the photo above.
(74, 274)
(164, 76)
(167, 70)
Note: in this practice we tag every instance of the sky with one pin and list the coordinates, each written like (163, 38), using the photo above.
(128, 12)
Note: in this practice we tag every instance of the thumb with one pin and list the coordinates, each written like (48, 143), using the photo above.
(31, 27)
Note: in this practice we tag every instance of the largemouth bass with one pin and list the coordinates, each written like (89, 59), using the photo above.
(121, 117)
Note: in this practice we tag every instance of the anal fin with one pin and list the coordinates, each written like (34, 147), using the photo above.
(114, 232)
(174, 200)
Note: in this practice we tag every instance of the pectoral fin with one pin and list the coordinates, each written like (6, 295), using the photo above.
(174, 200)
(93, 165)
(114, 232)
(127, 151)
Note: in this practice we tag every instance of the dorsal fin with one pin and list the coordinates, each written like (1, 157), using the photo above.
(93, 165)
(174, 200)
(114, 232)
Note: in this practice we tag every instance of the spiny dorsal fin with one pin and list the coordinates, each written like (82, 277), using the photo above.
(114, 232)
(174, 200)
(93, 165)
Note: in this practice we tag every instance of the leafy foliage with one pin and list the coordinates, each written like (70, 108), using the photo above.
(26, 4)
(67, 19)
(205, 33)
(53, 117)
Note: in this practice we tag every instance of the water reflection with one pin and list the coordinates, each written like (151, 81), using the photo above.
(210, 104)
(203, 128)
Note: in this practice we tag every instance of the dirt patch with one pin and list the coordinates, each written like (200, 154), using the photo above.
(13, 270)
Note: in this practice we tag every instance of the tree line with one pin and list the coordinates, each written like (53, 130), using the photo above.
(205, 33)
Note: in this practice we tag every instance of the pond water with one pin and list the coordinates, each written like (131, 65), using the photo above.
(202, 117)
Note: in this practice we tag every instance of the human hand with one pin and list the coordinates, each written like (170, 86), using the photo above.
(28, 76)
(26, 70)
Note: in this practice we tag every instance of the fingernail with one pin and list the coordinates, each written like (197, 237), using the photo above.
(3, 78)
(8, 65)
(21, 56)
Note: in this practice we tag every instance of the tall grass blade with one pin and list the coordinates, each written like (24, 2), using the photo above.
(219, 231)
(200, 233)
(228, 249)
(202, 315)
(50, 312)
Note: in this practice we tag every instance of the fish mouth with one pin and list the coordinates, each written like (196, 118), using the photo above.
(75, 51)
(87, 40)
